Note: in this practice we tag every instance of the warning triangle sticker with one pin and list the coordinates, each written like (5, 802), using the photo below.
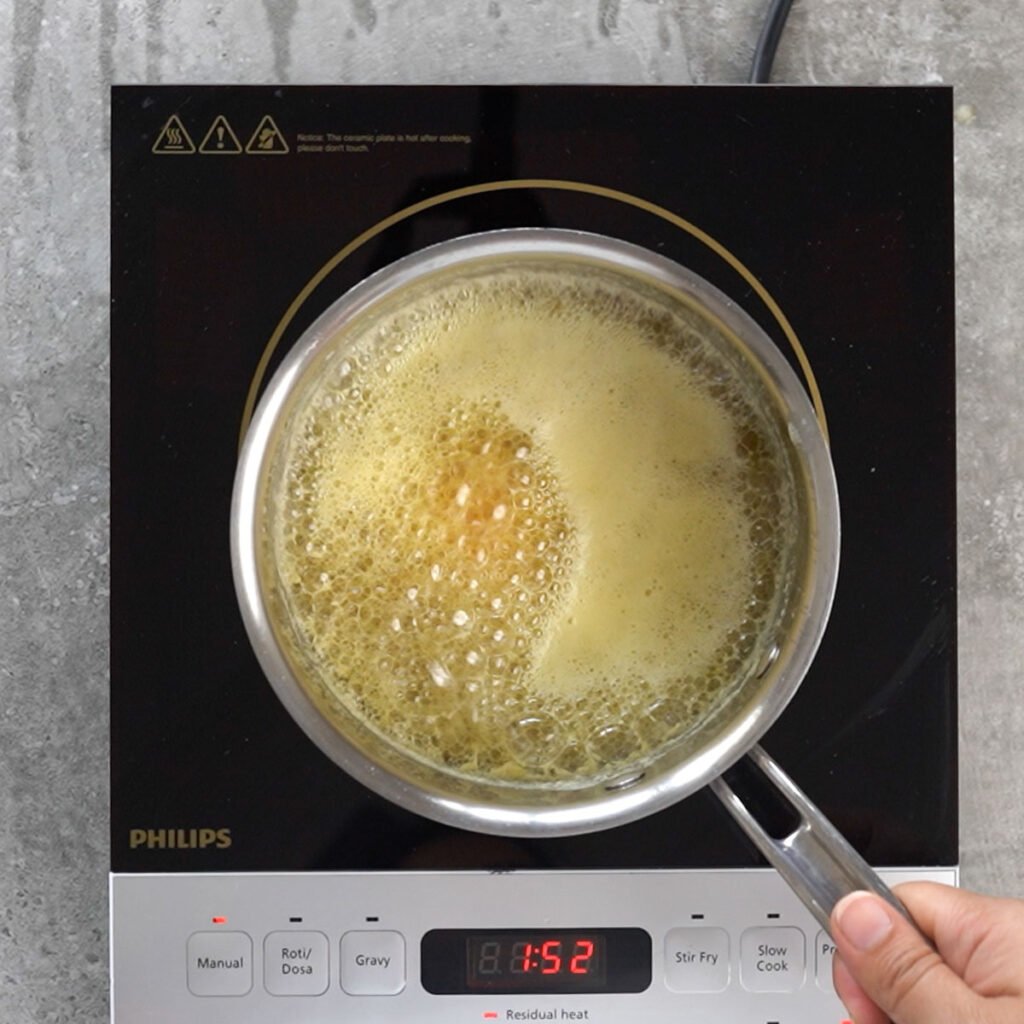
(220, 140)
(267, 138)
(173, 138)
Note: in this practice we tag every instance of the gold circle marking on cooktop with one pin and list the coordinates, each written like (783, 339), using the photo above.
(545, 183)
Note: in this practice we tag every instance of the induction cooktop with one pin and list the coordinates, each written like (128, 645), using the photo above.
(238, 215)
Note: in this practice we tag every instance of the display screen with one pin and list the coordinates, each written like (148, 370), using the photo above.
(535, 961)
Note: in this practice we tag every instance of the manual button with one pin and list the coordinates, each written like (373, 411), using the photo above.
(372, 963)
(772, 959)
(219, 963)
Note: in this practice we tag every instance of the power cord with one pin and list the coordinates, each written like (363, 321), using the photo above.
(768, 43)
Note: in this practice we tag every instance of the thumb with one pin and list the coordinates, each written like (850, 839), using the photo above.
(895, 966)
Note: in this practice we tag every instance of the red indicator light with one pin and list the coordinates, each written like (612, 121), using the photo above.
(490, 1015)
(219, 920)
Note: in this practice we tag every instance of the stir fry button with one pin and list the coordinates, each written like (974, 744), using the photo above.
(697, 960)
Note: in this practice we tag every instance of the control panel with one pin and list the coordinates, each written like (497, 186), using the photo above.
(705, 947)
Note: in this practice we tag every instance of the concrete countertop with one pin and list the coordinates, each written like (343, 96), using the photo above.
(57, 61)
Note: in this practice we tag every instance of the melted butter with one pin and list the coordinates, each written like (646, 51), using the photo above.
(533, 525)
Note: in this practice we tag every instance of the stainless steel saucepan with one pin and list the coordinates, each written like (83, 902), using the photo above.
(813, 858)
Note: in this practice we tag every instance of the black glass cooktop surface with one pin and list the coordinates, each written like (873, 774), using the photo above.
(241, 213)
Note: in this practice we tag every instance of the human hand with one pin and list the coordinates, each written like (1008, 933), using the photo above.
(884, 971)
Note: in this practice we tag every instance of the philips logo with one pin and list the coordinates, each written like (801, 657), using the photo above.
(179, 838)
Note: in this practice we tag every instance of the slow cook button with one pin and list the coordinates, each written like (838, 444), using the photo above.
(372, 963)
(295, 963)
(772, 959)
(219, 963)
(697, 960)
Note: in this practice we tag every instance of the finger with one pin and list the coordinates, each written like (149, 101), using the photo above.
(894, 965)
(973, 934)
(858, 1003)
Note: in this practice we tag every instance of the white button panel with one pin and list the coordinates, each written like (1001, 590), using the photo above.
(727, 947)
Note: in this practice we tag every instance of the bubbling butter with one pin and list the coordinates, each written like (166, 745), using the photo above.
(533, 523)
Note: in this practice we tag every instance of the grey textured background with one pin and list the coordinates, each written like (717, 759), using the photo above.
(57, 60)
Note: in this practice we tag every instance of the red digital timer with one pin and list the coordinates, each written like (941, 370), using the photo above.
(510, 960)
(544, 955)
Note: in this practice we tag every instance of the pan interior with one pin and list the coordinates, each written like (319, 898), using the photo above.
(533, 524)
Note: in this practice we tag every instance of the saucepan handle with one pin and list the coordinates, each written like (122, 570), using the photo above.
(814, 859)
